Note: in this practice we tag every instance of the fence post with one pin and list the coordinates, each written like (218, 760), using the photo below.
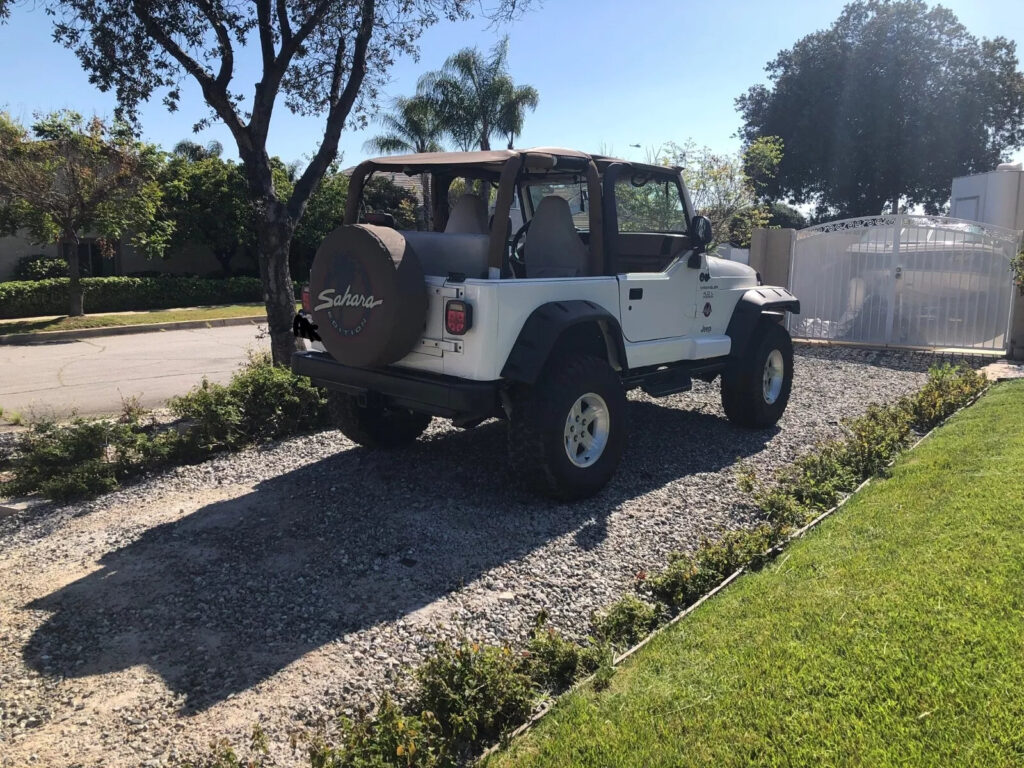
(770, 253)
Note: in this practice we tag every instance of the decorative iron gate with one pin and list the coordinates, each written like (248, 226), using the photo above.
(914, 281)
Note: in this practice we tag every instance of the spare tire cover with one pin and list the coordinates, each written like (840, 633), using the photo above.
(368, 295)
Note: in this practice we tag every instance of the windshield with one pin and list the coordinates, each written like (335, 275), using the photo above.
(648, 204)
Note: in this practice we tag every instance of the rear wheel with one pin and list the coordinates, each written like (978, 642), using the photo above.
(568, 432)
(756, 389)
(375, 425)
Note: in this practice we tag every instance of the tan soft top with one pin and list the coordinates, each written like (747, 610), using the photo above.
(494, 160)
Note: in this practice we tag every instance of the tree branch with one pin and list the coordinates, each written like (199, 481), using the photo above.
(214, 92)
(273, 72)
(339, 110)
(266, 33)
(227, 53)
(282, 21)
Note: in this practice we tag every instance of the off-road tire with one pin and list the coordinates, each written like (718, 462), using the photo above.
(743, 388)
(375, 425)
(536, 434)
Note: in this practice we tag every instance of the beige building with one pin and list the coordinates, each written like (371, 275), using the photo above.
(192, 259)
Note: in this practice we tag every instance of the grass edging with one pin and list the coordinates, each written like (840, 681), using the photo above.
(772, 552)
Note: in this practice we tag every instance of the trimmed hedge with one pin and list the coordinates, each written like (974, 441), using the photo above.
(25, 298)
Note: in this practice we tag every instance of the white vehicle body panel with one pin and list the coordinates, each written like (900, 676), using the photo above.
(680, 316)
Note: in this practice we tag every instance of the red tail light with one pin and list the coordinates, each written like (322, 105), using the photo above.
(307, 305)
(458, 317)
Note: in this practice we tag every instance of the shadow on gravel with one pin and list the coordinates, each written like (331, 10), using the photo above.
(229, 595)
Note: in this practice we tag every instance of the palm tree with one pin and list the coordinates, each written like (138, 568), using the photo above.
(193, 150)
(476, 98)
(513, 110)
(412, 125)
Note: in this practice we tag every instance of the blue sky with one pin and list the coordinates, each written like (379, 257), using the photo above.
(610, 73)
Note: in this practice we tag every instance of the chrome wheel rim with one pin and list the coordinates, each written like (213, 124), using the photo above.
(586, 430)
(771, 380)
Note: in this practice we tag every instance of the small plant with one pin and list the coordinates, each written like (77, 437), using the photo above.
(390, 737)
(1017, 268)
(477, 693)
(87, 457)
(555, 663)
(223, 755)
(746, 478)
(626, 622)
(15, 418)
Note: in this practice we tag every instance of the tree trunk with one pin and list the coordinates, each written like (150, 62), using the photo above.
(427, 209)
(76, 302)
(273, 237)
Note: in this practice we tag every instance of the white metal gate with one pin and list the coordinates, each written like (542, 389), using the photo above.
(914, 281)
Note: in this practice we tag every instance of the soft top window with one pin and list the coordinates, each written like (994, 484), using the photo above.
(649, 203)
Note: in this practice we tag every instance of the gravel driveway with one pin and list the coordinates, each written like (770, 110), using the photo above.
(274, 584)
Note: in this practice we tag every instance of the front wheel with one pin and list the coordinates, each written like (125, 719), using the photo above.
(755, 390)
(375, 425)
(568, 432)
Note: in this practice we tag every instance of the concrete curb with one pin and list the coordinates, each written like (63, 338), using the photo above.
(119, 330)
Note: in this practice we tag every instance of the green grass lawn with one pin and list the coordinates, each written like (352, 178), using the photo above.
(893, 634)
(132, 318)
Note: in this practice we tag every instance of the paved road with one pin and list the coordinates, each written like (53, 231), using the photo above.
(91, 376)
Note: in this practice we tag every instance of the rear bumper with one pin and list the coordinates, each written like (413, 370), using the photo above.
(425, 392)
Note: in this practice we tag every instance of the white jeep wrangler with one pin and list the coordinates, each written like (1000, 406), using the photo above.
(602, 287)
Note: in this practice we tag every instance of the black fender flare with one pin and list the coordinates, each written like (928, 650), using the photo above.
(546, 324)
(757, 303)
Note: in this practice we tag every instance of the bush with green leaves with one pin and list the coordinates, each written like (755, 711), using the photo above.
(554, 662)
(477, 693)
(87, 457)
(39, 266)
(29, 298)
(626, 622)
(261, 402)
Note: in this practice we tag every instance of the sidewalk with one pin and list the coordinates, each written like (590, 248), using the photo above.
(124, 322)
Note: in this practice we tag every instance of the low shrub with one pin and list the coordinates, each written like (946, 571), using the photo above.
(554, 663)
(948, 389)
(28, 298)
(39, 266)
(626, 622)
(687, 577)
(390, 737)
(88, 456)
(476, 693)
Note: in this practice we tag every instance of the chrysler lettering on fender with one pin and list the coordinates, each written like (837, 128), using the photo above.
(330, 298)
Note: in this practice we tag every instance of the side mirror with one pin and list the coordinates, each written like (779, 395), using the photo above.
(700, 232)
(700, 236)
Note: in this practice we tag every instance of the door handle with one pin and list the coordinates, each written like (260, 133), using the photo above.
(635, 294)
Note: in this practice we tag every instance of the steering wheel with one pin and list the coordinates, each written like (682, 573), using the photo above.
(515, 259)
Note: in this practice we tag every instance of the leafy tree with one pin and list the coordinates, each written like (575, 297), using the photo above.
(722, 188)
(322, 57)
(205, 200)
(885, 107)
(325, 212)
(477, 98)
(785, 216)
(71, 176)
(413, 125)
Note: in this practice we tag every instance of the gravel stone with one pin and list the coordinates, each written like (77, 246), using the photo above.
(280, 584)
